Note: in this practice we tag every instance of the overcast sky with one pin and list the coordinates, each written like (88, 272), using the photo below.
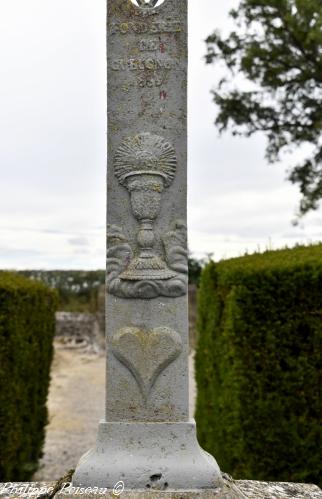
(53, 153)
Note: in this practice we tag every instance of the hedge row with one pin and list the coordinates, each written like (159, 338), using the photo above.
(259, 365)
(27, 324)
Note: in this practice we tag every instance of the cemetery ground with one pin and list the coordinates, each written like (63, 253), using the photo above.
(75, 405)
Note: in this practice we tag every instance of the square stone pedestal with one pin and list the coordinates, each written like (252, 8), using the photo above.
(148, 456)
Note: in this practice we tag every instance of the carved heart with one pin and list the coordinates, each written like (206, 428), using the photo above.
(146, 353)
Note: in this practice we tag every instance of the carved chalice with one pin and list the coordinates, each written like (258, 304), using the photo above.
(146, 164)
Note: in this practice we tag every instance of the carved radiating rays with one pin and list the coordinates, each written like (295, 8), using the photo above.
(145, 153)
(147, 4)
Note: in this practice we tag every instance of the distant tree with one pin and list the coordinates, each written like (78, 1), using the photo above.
(77, 289)
(277, 47)
(195, 268)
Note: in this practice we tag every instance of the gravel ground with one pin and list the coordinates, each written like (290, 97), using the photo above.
(76, 404)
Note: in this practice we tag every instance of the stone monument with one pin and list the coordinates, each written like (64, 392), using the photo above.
(147, 440)
(146, 445)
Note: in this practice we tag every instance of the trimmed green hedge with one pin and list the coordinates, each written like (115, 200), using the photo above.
(258, 363)
(27, 325)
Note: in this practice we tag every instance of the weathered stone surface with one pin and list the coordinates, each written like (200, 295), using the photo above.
(150, 456)
(242, 489)
(146, 199)
(192, 293)
(278, 490)
(147, 432)
(146, 353)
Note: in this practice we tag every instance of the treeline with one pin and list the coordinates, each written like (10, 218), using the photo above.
(78, 290)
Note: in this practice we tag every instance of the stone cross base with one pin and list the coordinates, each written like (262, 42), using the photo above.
(232, 489)
(147, 456)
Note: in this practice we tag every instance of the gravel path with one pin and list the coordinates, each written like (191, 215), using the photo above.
(76, 404)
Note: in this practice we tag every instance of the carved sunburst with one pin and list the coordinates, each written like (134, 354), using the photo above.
(147, 4)
(145, 154)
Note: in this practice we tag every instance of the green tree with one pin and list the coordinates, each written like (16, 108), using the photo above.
(195, 268)
(276, 49)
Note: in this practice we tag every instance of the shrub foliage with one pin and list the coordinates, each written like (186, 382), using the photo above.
(27, 324)
(259, 407)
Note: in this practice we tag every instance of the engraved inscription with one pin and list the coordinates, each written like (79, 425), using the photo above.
(149, 45)
(150, 82)
(150, 64)
(146, 354)
(155, 27)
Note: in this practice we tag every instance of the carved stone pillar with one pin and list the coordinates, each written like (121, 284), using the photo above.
(147, 439)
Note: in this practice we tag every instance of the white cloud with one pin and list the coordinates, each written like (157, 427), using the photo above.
(78, 241)
(53, 152)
